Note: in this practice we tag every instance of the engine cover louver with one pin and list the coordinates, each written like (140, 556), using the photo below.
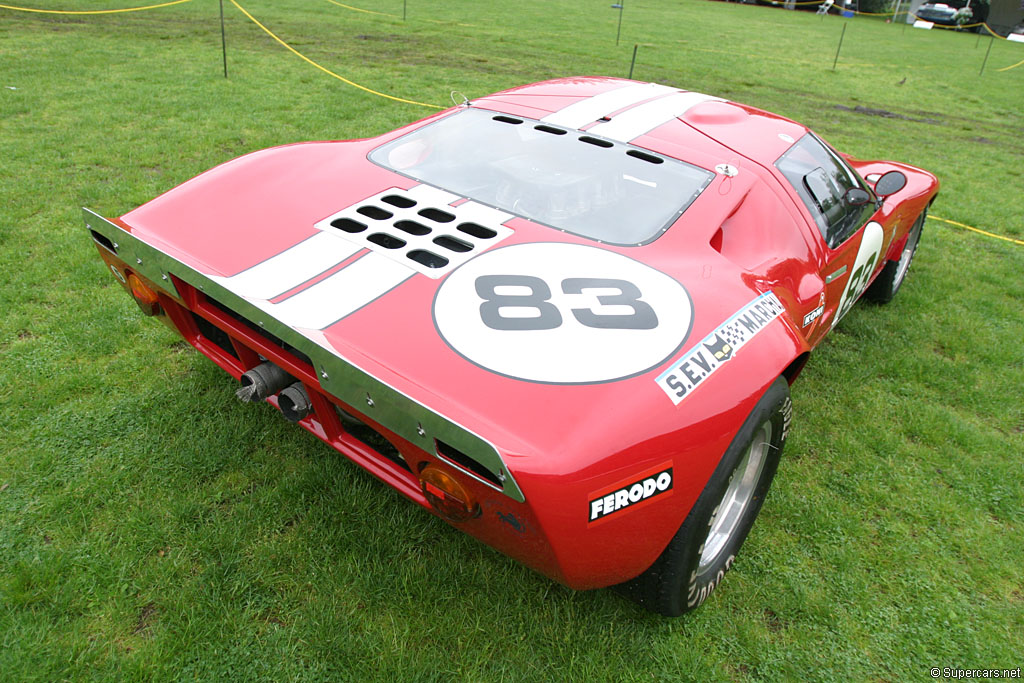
(420, 228)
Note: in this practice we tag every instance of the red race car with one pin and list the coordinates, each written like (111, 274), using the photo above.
(564, 317)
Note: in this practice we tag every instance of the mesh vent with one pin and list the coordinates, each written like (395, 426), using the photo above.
(374, 212)
(420, 228)
(412, 227)
(369, 436)
(453, 243)
(214, 334)
(437, 215)
(348, 225)
(399, 201)
(428, 258)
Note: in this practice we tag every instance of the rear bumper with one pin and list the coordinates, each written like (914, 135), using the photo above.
(379, 428)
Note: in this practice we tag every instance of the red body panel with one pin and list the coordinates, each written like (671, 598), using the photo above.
(564, 443)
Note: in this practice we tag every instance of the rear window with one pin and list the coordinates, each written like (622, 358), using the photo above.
(590, 186)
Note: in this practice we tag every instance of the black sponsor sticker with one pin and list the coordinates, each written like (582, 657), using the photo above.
(813, 315)
(631, 494)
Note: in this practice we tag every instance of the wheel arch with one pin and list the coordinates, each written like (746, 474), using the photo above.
(792, 371)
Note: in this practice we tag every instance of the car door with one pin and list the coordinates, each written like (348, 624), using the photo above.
(853, 234)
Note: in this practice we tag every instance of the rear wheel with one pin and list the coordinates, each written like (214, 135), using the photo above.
(705, 547)
(888, 282)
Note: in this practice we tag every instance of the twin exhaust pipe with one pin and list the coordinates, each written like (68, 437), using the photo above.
(267, 379)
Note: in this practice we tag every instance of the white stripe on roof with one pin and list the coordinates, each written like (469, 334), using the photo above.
(579, 114)
(644, 118)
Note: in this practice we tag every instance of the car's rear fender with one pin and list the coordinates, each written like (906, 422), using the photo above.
(594, 548)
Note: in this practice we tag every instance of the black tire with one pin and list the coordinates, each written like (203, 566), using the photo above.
(888, 282)
(683, 577)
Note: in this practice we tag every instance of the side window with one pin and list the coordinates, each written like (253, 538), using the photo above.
(821, 179)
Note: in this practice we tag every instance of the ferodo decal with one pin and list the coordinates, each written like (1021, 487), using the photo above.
(867, 258)
(703, 359)
(623, 496)
(562, 313)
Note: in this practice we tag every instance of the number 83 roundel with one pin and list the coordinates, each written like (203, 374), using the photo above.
(562, 313)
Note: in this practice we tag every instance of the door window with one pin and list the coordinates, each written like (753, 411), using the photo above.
(822, 178)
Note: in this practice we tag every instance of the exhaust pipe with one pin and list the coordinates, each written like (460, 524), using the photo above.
(262, 381)
(294, 402)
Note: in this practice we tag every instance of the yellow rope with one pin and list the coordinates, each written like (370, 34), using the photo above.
(395, 16)
(95, 11)
(356, 9)
(980, 232)
(835, 7)
(873, 14)
(996, 35)
(943, 27)
(987, 28)
(991, 31)
(326, 70)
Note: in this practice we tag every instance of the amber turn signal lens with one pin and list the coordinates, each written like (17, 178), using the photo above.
(145, 297)
(446, 495)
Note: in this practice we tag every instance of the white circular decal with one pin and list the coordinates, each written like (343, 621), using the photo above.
(562, 313)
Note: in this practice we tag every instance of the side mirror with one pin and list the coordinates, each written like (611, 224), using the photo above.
(890, 183)
(856, 196)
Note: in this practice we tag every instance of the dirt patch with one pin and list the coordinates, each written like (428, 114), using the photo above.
(771, 619)
(941, 350)
(180, 346)
(383, 39)
(147, 615)
(885, 113)
(270, 617)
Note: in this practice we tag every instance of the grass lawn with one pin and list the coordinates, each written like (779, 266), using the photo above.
(153, 527)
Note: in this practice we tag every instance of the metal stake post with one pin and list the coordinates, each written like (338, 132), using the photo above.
(841, 36)
(990, 41)
(619, 6)
(223, 40)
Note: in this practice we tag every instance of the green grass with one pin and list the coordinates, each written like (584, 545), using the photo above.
(152, 527)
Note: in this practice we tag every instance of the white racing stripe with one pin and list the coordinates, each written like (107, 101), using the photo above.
(428, 194)
(586, 111)
(290, 268)
(340, 294)
(486, 215)
(646, 117)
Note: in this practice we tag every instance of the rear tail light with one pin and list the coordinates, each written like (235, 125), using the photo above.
(144, 296)
(446, 495)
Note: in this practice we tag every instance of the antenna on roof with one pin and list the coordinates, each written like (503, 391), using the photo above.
(455, 95)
